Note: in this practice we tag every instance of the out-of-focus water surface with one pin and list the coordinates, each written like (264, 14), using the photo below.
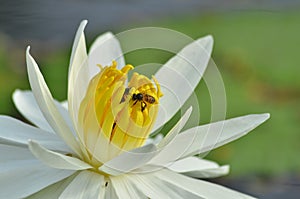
(256, 50)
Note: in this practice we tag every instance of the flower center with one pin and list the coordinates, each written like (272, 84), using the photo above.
(119, 116)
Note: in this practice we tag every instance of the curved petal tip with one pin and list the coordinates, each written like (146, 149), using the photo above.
(266, 115)
(16, 93)
(209, 37)
(27, 50)
(83, 22)
(207, 42)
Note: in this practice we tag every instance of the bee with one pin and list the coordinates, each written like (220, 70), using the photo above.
(144, 99)
(139, 97)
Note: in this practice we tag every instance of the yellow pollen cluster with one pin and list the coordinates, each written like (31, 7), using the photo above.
(122, 114)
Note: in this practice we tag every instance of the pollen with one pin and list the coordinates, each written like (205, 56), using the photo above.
(116, 115)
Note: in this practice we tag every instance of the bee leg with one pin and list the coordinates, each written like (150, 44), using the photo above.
(135, 102)
(143, 106)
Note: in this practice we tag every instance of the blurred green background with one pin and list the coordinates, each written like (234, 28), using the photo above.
(257, 53)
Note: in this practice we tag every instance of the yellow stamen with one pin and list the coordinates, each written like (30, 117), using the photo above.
(123, 115)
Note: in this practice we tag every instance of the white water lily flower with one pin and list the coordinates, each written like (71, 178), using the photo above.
(94, 146)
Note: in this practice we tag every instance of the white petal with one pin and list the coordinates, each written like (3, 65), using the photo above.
(16, 132)
(78, 73)
(129, 160)
(109, 192)
(14, 160)
(12, 154)
(26, 104)
(65, 114)
(65, 104)
(104, 50)
(125, 189)
(155, 140)
(191, 164)
(180, 76)
(47, 105)
(207, 137)
(176, 129)
(21, 176)
(179, 193)
(56, 160)
(152, 187)
(78, 55)
(198, 168)
(86, 185)
(26, 181)
(53, 191)
(209, 173)
(200, 188)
